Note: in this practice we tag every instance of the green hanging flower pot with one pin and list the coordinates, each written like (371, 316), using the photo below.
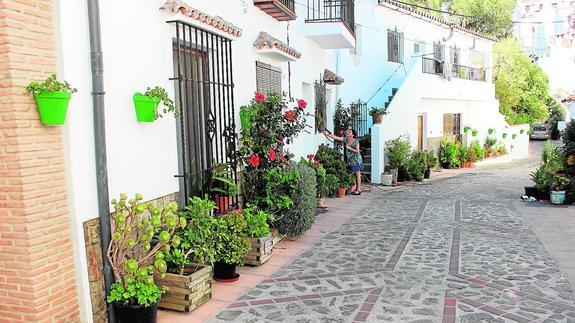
(474, 133)
(145, 107)
(245, 119)
(52, 107)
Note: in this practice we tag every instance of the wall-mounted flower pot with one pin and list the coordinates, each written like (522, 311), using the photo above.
(52, 107)
(474, 133)
(377, 118)
(145, 107)
(341, 192)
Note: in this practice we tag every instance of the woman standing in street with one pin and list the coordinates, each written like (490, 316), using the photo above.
(354, 160)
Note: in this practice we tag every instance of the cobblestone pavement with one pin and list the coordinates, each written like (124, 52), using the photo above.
(452, 250)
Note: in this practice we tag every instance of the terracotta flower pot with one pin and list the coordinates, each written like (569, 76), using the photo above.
(223, 203)
(341, 192)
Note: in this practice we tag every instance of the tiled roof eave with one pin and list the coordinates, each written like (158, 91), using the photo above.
(389, 3)
(216, 22)
(265, 40)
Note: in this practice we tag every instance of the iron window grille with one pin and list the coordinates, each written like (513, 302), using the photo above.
(359, 118)
(395, 46)
(205, 95)
(320, 105)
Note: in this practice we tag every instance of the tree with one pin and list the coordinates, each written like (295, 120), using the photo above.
(521, 86)
(492, 17)
(434, 4)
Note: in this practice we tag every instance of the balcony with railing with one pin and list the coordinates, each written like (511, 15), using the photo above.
(331, 23)
(468, 73)
(281, 10)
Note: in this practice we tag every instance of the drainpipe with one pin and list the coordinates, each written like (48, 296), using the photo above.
(100, 144)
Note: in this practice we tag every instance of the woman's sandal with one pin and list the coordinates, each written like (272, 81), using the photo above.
(356, 193)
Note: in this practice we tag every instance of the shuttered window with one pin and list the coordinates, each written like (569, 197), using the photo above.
(394, 46)
(455, 55)
(268, 78)
(320, 106)
(447, 124)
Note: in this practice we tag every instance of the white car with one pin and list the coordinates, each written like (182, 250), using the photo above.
(540, 132)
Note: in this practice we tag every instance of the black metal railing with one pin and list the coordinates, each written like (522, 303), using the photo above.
(468, 73)
(432, 66)
(359, 118)
(205, 97)
(332, 11)
(290, 4)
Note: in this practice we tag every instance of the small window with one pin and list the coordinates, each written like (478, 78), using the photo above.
(394, 46)
(268, 78)
(417, 48)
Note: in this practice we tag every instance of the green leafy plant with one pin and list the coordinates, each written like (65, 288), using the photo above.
(501, 149)
(522, 131)
(279, 185)
(479, 151)
(548, 152)
(474, 132)
(504, 135)
(514, 136)
(221, 183)
(341, 119)
(332, 161)
(489, 144)
(332, 183)
(449, 153)
(472, 154)
(466, 129)
(231, 239)
(462, 154)
(416, 165)
(541, 178)
(160, 93)
(320, 175)
(196, 244)
(490, 131)
(398, 150)
(257, 222)
(141, 235)
(431, 160)
(299, 218)
(51, 84)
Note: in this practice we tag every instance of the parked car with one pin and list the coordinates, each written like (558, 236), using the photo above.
(540, 132)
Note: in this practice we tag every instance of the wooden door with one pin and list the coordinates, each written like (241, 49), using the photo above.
(420, 132)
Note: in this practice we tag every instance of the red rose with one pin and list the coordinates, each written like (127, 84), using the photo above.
(272, 154)
(290, 115)
(254, 160)
(310, 156)
(301, 104)
(260, 97)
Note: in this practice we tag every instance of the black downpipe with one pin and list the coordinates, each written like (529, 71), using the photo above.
(100, 144)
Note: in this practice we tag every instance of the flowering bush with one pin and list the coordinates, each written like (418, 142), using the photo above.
(273, 124)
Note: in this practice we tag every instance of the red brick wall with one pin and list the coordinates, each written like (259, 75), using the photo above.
(37, 272)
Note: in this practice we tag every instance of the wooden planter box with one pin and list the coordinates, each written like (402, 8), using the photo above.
(261, 250)
(186, 292)
(276, 236)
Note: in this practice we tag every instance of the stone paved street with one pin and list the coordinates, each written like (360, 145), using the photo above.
(452, 250)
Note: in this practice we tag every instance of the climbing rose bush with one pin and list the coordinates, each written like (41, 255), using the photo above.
(274, 123)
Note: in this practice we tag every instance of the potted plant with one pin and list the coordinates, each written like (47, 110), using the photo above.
(377, 114)
(514, 136)
(222, 187)
(462, 156)
(52, 98)
(558, 184)
(471, 156)
(522, 131)
(449, 154)
(542, 179)
(232, 245)
(331, 182)
(260, 237)
(466, 129)
(147, 104)
(386, 179)
(189, 274)
(474, 132)
(397, 155)
(321, 184)
(141, 234)
(479, 151)
(416, 165)
(489, 145)
(490, 131)
(432, 163)
(504, 135)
